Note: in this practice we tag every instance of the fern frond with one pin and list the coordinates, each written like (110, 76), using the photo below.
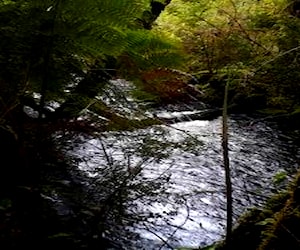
(147, 50)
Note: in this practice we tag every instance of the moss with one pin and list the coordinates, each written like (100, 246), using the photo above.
(277, 201)
(275, 227)
(212, 247)
(296, 111)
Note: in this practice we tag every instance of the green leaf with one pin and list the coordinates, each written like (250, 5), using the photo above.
(266, 222)
(60, 235)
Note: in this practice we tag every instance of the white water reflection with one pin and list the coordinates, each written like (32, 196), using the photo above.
(189, 209)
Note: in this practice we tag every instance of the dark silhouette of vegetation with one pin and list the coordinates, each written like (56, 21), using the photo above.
(273, 227)
(56, 57)
(58, 63)
(150, 16)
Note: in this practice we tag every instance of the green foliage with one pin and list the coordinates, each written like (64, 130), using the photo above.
(5, 204)
(145, 50)
(279, 177)
(260, 37)
(273, 227)
(61, 235)
(265, 222)
(48, 46)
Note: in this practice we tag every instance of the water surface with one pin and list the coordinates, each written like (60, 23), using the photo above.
(176, 194)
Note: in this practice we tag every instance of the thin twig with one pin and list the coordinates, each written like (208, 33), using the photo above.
(108, 159)
(158, 236)
(289, 231)
(178, 227)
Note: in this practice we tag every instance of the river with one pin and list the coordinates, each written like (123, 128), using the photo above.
(169, 179)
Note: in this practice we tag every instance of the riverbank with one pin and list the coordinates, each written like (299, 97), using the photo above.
(275, 226)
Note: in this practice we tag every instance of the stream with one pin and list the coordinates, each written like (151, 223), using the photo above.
(170, 179)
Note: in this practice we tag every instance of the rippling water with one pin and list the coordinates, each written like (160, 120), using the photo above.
(186, 204)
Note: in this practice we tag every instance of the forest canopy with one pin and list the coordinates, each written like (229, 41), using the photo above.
(257, 41)
(67, 52)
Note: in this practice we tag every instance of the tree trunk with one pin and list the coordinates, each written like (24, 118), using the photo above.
(227, 168)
